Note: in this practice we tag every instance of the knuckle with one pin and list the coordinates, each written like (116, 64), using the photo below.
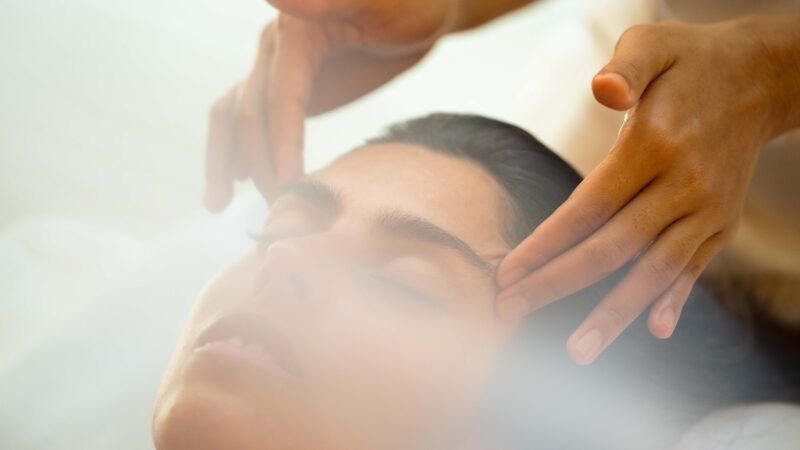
(661, 132)
(605, 252)
(661, 271)
(706, 253)
(652, 32)
(698, 264)
(643, 220)
(696, 267)
(687, 243)
(693, 188)
(647, 125)
(589, 219)
(637, 32)
(693, 177)
(669, 28)
(629, 70)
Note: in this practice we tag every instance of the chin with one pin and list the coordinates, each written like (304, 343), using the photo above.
(201, 419)
(197, 415)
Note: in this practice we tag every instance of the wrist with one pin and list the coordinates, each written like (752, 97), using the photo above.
(778, 40)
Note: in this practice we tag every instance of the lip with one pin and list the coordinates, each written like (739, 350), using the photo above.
(250, 337)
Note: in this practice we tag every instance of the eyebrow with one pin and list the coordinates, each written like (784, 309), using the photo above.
(329, 201)
(410, 226)
(320, 195)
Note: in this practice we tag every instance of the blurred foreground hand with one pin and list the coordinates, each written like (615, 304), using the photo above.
(316, 56)
(702, 100)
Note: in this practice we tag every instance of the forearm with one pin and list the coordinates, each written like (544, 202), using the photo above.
(474, 13)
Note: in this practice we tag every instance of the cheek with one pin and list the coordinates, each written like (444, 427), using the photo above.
(406, 375)
(222, 293)
(227, 291)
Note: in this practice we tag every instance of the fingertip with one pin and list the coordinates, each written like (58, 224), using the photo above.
(289, 173)
(613, 90)
(507, 276)
(512, 308)
(584, 348)
(217, 197)
(662, 322)
(266, 187)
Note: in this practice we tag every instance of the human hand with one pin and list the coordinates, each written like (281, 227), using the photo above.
(316, 56)
(702, 101)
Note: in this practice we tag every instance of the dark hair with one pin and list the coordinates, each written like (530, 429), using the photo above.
(536, 180)
(548, 402)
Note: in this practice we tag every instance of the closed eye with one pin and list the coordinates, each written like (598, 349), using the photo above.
(382, 283)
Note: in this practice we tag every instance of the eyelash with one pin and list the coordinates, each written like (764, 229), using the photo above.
(264, 240)
(402, 288)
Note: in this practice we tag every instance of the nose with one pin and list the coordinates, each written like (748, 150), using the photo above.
(283, 273)
(299, 276)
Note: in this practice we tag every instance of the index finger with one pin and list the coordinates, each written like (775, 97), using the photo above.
(604, 192)
(291, 82)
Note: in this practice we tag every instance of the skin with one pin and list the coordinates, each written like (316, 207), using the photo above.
(701, 100)
(394, 333)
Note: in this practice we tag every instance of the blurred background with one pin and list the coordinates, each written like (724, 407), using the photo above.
(104, 104)
(103, 240)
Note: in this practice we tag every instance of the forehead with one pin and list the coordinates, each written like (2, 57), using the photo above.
(454, 193)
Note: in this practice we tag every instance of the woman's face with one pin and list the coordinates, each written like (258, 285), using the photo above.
(364, 320)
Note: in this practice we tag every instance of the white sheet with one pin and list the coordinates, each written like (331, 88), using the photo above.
(90, 318)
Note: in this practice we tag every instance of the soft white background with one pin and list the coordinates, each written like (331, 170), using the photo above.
(103, 104)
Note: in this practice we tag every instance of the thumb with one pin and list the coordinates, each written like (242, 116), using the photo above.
(641, 55)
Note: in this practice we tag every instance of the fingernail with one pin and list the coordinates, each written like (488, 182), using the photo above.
(512, 308)
(587, 346)
(614, 75)
(510, 277)
(667, 317)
